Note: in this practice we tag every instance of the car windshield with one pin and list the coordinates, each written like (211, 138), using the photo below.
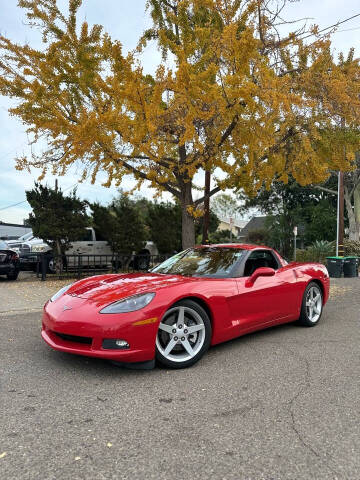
(3, 245)
(25, 237)
(202, 262)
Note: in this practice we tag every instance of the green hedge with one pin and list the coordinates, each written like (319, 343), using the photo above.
(352, 248)
(320, 250)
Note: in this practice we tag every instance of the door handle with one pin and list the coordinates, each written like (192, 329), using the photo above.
(89, 244)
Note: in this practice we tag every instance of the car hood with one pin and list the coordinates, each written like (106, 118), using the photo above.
(110, 288)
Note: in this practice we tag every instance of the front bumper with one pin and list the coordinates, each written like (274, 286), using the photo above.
(84, 321)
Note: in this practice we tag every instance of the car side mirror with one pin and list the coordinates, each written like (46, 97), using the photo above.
(259, 272)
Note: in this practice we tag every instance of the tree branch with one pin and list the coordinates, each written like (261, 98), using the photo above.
(229, 129)
(142, 175)
(211, 193)
(324, 189)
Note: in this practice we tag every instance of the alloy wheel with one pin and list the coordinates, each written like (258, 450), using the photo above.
(181, 334)
(313, 304)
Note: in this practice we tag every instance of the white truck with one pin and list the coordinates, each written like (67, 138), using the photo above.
(93, 248)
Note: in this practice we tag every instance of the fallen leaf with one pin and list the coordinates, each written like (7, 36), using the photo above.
(109, 444)
(2, 455)
(77, 458)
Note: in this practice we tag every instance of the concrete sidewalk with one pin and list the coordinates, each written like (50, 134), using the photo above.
(28, 293)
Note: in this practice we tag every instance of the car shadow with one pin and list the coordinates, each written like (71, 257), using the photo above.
(273, 332)
(90, 366)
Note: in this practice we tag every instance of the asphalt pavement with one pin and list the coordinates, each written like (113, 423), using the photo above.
(275, 405)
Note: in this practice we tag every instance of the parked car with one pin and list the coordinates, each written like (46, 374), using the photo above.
(9, 261)
(18, 241)
(93, 248)
(200, 297)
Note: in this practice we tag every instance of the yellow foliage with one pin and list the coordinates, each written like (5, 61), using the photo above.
(235, 100)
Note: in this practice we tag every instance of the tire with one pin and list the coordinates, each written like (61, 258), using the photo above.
(312, 305)
(183, 336)
(51, 265)
(13, 276)
(142, 260)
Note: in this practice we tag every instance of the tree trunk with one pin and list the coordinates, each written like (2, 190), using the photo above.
(188, 225)
(206, 218)
(357, 211)
(353, 231)
(58, 258)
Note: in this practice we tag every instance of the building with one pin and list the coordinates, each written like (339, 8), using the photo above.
(237, 226)
(255, 223)
(10, 231)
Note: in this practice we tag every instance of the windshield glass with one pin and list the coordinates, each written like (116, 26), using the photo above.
(25, 237)
(202, 262)
(3, 246)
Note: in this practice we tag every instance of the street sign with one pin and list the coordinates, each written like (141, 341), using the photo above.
(295, 231)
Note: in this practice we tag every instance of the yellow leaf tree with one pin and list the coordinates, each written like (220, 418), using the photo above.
(233, 98)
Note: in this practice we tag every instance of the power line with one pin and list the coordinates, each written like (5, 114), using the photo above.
(25, 201)
(13, 205)
(332, 26)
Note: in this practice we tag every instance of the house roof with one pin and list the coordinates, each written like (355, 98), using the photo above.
(255, 223)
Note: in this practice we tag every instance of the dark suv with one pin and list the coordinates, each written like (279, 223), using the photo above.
(9, 262)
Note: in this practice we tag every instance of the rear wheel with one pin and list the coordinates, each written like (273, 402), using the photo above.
(184, 335)
(312, 305)
(51, 268)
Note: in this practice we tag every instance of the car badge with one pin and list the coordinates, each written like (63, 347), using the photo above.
(66, 308)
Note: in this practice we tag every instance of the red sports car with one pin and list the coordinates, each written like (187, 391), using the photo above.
(197, 298)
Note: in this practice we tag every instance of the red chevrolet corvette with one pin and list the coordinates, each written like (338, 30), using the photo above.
(197, 298)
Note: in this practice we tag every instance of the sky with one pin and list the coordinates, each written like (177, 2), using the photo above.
(124, 20)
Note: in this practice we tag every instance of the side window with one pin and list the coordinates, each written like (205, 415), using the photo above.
(87, 236)
(258, 259)
(99, 236)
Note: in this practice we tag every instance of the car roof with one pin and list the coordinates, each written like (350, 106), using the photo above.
(243, 246)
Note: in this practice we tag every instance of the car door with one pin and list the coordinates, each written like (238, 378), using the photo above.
(102, 250)
(83, 247)
(269, 300)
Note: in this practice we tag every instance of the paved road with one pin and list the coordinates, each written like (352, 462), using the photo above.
(275, 405)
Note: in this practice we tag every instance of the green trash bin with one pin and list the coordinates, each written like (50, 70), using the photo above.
(335, 266)
(350, 267)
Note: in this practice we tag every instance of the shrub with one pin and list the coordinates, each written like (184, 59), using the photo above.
(352, 248)
(317, 252)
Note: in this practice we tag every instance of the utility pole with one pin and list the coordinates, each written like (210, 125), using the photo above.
(295, 235)
(340, 211)
(56, 184)
(205, 239)
(340, 208)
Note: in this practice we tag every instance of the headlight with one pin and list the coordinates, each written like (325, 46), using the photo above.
(130, 304)
(60, 292)
(38, 248)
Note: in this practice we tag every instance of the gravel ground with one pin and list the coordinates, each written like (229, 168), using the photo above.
(27, 293)
(281, 404)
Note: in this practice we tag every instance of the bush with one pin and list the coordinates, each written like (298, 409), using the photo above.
(317, 252)
(352, 248)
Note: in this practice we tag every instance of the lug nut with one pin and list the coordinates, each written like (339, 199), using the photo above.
(183, 339)
(180, 326)
(185, 331)
(174, 330)
(176, 339)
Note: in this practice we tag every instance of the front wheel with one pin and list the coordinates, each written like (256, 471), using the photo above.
(13, 275)
(312, 305)
(184, 335)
